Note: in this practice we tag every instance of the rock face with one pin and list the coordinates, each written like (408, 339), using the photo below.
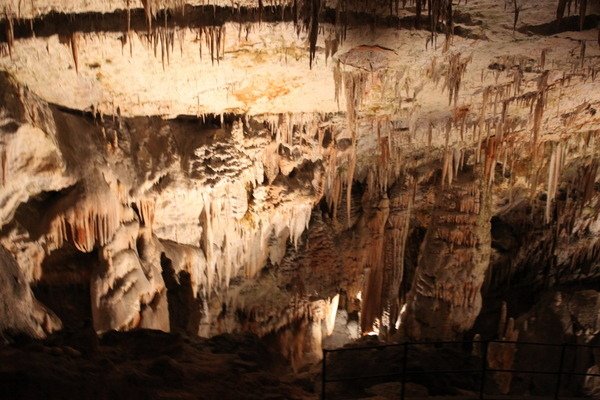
(21, 312)
(263, 167)
(445, 298)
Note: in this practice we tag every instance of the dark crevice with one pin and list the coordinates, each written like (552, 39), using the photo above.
(194, 17)
(566, 24)
(30, 213)
(184, 307)
(70, 302)
(64, 286)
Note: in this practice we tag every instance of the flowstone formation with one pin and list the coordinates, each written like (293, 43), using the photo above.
(294, 169)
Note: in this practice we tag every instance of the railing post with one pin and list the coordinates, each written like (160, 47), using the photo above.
(483, 368)
(404, 364)
(323, 371)
(560, 369)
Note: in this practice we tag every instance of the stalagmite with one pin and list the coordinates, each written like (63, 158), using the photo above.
(502, 355)
(332, 308)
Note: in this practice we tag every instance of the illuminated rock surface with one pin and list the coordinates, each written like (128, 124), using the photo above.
(304, 171)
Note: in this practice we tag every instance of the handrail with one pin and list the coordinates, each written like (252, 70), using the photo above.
(484, 369)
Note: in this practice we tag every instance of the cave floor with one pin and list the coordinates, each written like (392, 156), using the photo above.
(146, 364)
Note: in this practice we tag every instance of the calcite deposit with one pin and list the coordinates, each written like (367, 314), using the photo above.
(283, 167)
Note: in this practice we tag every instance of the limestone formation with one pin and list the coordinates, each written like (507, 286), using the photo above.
(286, 167)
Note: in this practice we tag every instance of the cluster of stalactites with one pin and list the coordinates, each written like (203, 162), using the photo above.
(293, 128)
(153, 7)
(85, 222)
(232, 245)
(565, 5)
(289, 130)
(146, 211)
(455, 70)
(495, 130)
(165, 37)
(454, 160)
(10, 34)
(214, 38)
(354, 84)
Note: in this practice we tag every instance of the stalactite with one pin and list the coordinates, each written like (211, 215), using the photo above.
(453, 75)
(349, 181)
(313, 28)
(146, 211)
(582, 49)
(582, 13)
(199, 40)
(445, 167)
(517, 80)
(74, 49)
(337, 78)
(354, 84)
(331, 46)
(539, 108)
(127, 36)
(214, 38)
(440, 11)
(4, 50)
(554, 169)
(149, 12)
(180, 34)
(490, 159)
(162, 38)
(429, 134)
(517, 11)
(543, 58)
(89, 221)
(560, 10)
(3, 167)
(10, 32)
(589, 178)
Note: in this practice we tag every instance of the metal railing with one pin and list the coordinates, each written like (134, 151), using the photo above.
(403, 373)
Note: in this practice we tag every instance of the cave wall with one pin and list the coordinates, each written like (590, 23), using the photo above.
(394, 174)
